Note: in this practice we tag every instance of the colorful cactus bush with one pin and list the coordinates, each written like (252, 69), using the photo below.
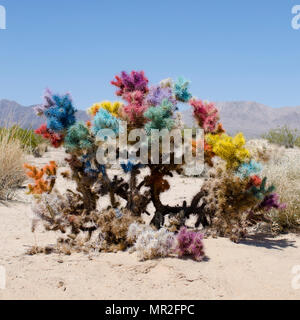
(233, 197)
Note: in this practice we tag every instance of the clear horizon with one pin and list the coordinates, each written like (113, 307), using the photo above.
(230, 51)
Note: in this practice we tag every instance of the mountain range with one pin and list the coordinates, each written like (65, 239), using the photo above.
(12, 112)
(252, 118)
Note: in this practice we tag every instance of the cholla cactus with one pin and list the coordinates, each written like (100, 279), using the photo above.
(135, 230)
(114, 225)
(49, 209)
(152, 244)
(233, 196)
(229, 200)
(190, 243)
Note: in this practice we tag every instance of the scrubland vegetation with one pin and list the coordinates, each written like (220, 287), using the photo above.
(15, 144)
(12, 157)
(283, 136)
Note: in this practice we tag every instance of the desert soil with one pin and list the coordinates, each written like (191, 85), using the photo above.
(259, 267)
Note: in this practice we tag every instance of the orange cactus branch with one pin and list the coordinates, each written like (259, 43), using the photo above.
(41, 184)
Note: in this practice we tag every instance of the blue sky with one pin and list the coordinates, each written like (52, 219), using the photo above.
(230, 50)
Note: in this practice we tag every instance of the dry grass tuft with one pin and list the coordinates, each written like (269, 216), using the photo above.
(12, 174)
(284, 172)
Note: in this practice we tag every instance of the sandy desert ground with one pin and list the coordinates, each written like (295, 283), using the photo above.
(259, 267)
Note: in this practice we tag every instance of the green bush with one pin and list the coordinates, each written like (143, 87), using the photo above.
(283, 136)
(27, 138)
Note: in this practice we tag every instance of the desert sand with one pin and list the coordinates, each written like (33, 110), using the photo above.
(259, 267)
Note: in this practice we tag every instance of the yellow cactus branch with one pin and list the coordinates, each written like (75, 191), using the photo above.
(230, 149)
(112, 107)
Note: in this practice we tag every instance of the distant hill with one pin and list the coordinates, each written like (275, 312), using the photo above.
(252, 118)
(12, 112)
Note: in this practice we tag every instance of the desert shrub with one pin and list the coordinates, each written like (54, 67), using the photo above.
(40, 149)
(114, 225)
(229, 200)
(150, 243)
(29, 141)
(283, 136)
(285, 174)
(11, 164)
(262, 151)
(64, 213)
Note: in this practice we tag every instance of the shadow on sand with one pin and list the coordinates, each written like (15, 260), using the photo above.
(267, 241)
